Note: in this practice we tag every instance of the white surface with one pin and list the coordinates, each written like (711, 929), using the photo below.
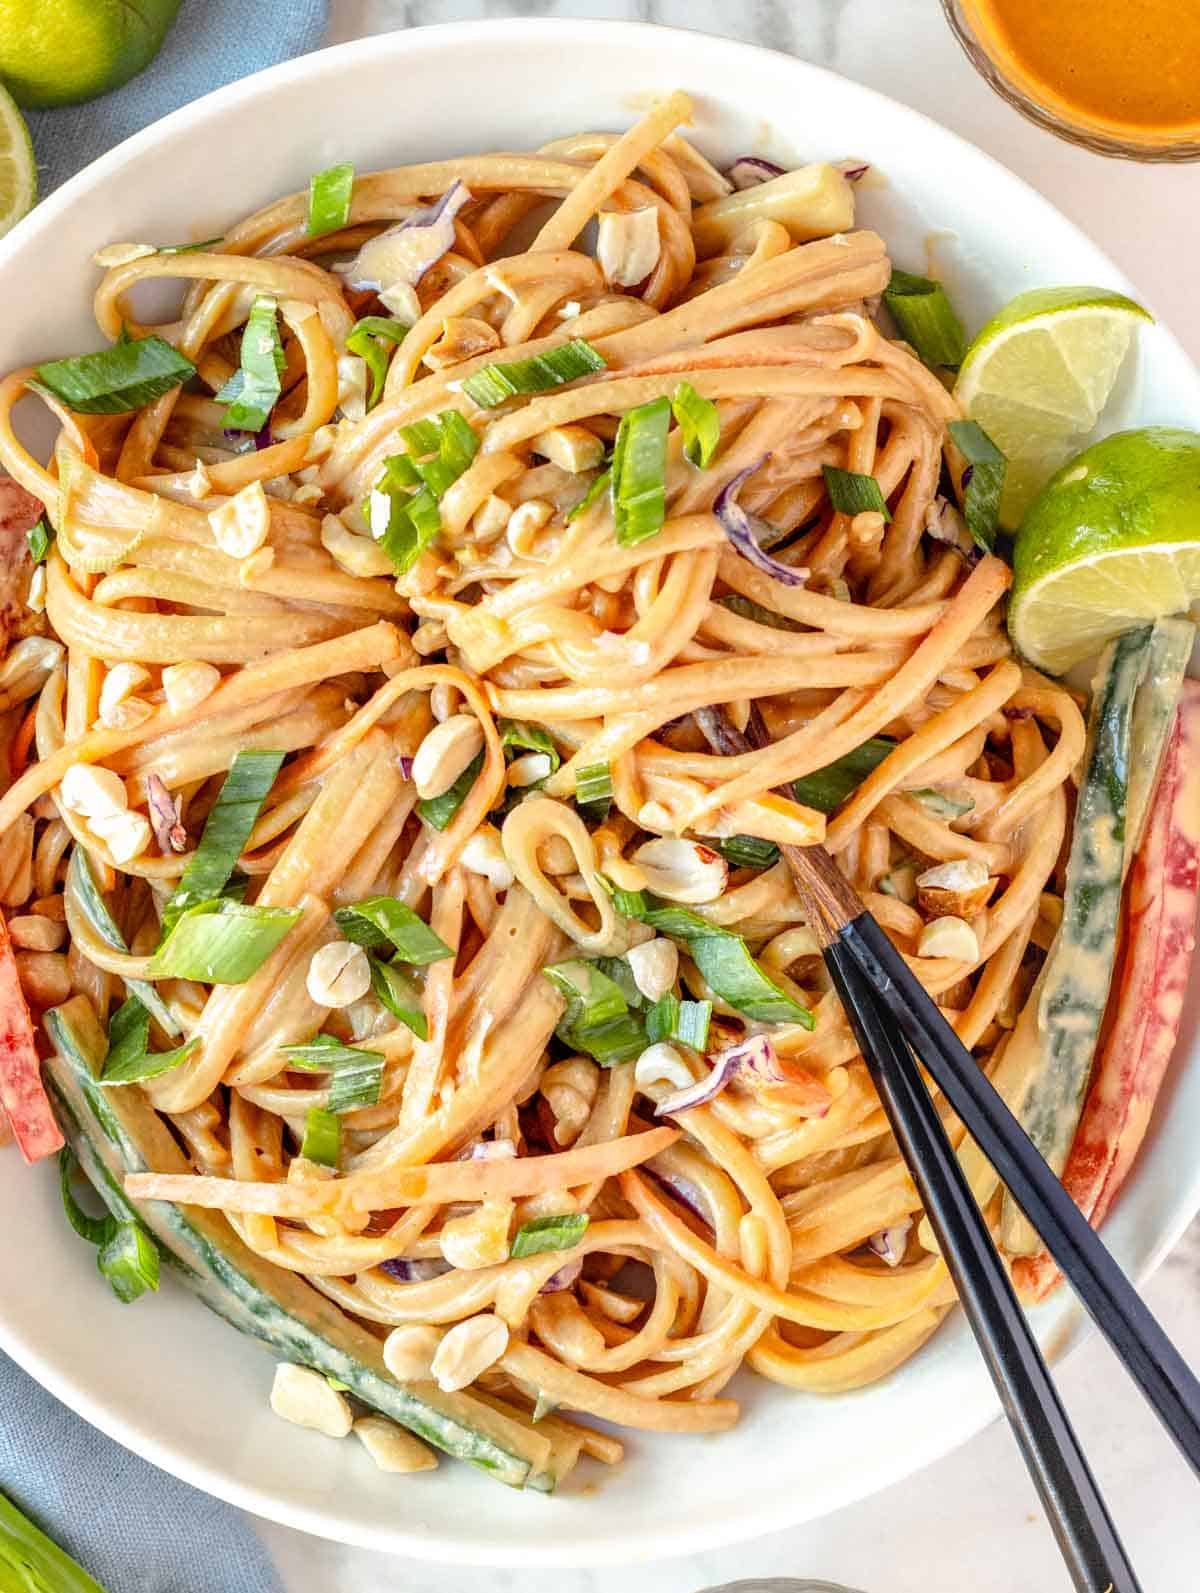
(809, 1460)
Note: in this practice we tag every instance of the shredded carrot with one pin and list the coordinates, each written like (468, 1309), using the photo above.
(18, 753)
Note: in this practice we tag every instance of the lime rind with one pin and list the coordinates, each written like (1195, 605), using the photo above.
(18, 168)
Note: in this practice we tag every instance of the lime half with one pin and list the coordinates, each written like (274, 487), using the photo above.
(18, 169)
(1112, 542)
(1038, 376)
(58, 52)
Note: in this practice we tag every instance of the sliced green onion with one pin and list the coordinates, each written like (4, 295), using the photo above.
(129, 1058)
(221, 942)
(329, 194)
(439, 811)
(413, 516)
(621, 974)
(421, 436)
(523, 737)
(698, 420)
(356, 1075)
(925, 318)
(748, 851)
(941, 804)
(825, 789)
(95, 910)
(685, 1022)
(982, 481)
(39, 538)
(114, 380)
(536, 1237)
(399, 995)
(226, 832)
(254, 388)
(639, 470)
(593, 786)
(31, 1563)
(367, 338)
(188, 248)
(630, 904)
(322, 1140)
(130, 1262)
(748, 609)
(597, 1019)
(495, 384)
(851, 493)
(600, 484)
(383, 921)
(95, 1230)
(725, 964)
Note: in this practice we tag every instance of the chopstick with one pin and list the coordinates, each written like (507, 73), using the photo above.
(1074, 1506)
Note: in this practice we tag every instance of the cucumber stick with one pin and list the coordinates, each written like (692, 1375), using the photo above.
(115, 1132)
(1078, 971)
(1153, 715)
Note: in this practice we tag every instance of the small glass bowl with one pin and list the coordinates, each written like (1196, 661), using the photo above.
(1070, 124)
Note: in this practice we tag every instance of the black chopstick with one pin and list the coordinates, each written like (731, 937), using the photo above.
(1070, 1496)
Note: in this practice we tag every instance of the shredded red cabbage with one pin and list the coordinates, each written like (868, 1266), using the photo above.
(565, 1278)
(414, 1271)
(165, 816)
(404, 253)
(748, 171)
(740, 531)
(754, 1058)
(889, 1243)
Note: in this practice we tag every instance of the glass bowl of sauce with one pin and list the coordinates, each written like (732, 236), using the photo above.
(1121, 77)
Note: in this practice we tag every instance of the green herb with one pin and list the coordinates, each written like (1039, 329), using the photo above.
(439, 811)
(221, 942)
(129, 1058)
(542, 1234)
(639, 472)
(322, 1142)
(383, 921)
(397, 993)
(495, 384)
(114, 380)
(982, 481)
(329, 194)
(686, 1022)
(95, 910)
(187, 248)
(748, 609)
(367, 338)
(748, 851)
(941, 804)
(356, 1075)
(925, 318)
(597, 1020)
(825, 789)
(725, 964)
(39, 538)
(593, 788)
(698, 420)
(850, 493)
(600, 484)
(226, 832)
(96, 1230)
(522, 737)
(130, 1262)
(254, 388)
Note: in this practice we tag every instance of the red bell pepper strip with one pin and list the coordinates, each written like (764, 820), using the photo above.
(1159, 938)
(21, 1094)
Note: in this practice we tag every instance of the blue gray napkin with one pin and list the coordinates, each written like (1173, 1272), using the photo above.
(134, 1528)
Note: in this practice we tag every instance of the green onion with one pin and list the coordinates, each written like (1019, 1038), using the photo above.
(96, 1230)
(725, 964)
(495, 384)
(130, 1262)
(421, 436)
(683, 1021)
(748, 609)
(221, 942)
(31, 1563)
(114, 380)
(698, 420)
(356, 1075)
(925, 318)
(226, 832)
(600, 484)
(397, 993)
(322, 1140)
(825, 789)
(95, 910)
(439, 811)
(39, 538)
(597, 1019)
(941, 805)
(129, 1058)
(541, 1234)
(254, 388)
(188, 248)
(329, 194)
(630, 904)
(413, 516)
(366, 338)
(982, 481)
(639, 472)
(383, 921)
(523, 737)
(621, 974)
(850, 493)
(748, 851)
(593, 788)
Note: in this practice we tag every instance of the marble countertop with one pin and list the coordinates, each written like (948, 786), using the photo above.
(971, 1521)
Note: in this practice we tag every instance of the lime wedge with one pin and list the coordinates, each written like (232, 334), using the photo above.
(60, 52)
(18, 169)
(1112, 542)
(1038, 376)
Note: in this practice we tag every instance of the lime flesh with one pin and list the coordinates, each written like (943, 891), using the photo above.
(18, 169)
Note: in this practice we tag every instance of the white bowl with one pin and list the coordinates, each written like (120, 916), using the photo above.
(165, 1377)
